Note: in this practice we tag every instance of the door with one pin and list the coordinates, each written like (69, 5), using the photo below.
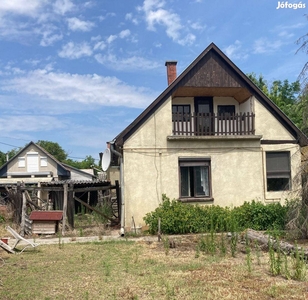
(204, 120)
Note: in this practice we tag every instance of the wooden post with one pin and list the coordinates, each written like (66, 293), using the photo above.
(71, 205)
(18, 204)
(88, 201)
(39, 195)
(23, 214)
(65, 187)
(159, 232)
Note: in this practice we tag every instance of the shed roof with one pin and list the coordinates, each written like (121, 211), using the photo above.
(53, 215)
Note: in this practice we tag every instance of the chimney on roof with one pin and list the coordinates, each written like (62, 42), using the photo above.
(171, 70)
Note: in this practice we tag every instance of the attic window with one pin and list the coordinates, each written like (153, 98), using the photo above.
(180, 112)
(228, 110)
(21, 162)
(43, 161)
(278, 171)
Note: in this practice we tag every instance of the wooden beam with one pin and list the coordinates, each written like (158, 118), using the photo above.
(94, 209)
(77, 190)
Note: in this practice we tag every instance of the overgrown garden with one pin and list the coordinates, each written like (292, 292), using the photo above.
(179, 218)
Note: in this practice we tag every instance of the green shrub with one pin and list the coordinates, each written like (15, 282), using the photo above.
(179, 218)
(259, 216)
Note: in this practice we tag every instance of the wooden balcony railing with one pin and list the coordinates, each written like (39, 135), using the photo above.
(204, 124)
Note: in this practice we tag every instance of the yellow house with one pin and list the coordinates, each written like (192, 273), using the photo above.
(211, 138)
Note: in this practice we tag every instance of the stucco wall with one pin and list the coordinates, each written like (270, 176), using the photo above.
(269, 126)
(151, 163)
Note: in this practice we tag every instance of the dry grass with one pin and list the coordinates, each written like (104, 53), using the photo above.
(140, 270)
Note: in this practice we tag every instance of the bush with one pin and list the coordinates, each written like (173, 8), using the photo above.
(179, 218)
(259, 216)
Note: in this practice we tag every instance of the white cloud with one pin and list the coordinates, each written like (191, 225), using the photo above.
(76, 24)
(111, 38)
(124, 33)
(128, 64)
(130, 17)
(84, 89)
(235, 51)
(189, 39)
(286, 34)
(155, 14)
(14, 30)
(99, 46)
(49, 36)
(61, 7)
(263, 45)
(75, 51)
(197, 26)
(34, 123)
(20, 7)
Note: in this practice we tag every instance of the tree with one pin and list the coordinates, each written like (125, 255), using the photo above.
(285, 95)
(303, 46)
(87, 163)
(298, 212)
(54, 149)
(9, 155)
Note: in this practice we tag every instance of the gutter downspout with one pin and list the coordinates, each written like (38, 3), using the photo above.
(122, 230)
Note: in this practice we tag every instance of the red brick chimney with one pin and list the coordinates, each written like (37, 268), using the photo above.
(171, 70)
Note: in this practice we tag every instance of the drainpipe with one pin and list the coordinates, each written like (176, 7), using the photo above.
(122, 231)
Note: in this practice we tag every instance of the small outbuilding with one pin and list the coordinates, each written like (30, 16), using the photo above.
(45, 222)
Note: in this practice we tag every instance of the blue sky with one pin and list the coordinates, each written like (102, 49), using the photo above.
(78, 72)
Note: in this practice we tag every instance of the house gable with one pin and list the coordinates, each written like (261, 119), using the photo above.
(213, 74)
(42, 164)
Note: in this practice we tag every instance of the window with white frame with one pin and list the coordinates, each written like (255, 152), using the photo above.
(21, 162)
(43, 161)
(278, 171)
(195, 178)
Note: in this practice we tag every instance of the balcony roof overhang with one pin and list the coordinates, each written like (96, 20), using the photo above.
(238, 93)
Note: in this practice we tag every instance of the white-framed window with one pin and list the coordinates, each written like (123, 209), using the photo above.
(278, 171)
(195, 178)
(43, 161)
(32, 162)
(21, 162)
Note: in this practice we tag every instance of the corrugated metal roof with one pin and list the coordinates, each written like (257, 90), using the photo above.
(51, 215)
(95, 182)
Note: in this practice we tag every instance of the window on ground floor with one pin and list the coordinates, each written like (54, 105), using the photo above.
(194, 178)
(278, 171)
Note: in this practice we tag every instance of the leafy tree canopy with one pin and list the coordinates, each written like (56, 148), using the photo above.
(54, 149)
(286, 96)
(87, 163)
(57, 151)
(8, 155)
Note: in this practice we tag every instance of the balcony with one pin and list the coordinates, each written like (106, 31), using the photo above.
(210, 124)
